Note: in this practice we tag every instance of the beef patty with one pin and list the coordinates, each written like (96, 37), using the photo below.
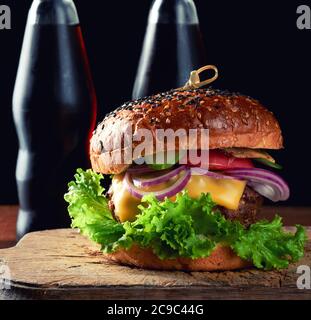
(249, 206)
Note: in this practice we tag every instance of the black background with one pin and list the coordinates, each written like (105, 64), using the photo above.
(256, 45)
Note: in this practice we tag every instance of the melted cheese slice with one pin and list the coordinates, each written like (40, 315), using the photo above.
(224, 192)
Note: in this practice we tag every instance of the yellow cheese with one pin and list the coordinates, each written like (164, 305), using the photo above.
(224, 192)
(125, 205)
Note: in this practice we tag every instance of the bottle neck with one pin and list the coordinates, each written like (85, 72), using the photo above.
(174, 11)
(53, 12)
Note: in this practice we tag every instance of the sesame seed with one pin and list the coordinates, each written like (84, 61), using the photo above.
(100, 146)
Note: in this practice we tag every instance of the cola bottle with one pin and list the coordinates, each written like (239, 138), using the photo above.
(173, 47)
(54, 108)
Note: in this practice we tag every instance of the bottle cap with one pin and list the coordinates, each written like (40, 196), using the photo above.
(53, 12)
(174, 11)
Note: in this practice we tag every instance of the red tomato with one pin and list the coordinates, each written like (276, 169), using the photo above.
(220, 161)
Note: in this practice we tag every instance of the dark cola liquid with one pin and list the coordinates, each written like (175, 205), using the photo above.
(54, 108)
(170, 53)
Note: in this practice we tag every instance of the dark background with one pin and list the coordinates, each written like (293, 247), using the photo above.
(256, 45)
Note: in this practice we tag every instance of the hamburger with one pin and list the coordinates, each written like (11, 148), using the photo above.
(180, 214)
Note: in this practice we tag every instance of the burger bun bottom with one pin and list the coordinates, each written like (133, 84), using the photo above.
(221, 259)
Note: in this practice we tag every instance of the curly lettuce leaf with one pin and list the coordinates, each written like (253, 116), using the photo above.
(185, 227)
(172, 229)
(268, 246)
(89, 210)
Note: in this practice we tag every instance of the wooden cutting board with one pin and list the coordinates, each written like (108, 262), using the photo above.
(62, 264)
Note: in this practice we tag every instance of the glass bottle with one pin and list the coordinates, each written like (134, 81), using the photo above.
(173, 47)
(54, 108)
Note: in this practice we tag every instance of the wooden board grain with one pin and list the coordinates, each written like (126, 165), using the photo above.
(62, 264)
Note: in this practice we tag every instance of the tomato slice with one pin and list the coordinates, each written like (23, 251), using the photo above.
(220, 161)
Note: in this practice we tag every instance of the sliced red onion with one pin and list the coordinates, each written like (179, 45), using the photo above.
(178, 186)
(149, 182)
(204, 172)
(266, 190)
(266, 183)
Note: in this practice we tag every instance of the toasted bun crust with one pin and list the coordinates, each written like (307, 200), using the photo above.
(233, 120)
(222, 258)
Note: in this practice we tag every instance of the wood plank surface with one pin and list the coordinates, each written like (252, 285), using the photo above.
(62, 264)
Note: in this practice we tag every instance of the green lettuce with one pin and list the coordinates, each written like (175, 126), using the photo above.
(89, 210)
(185, 227)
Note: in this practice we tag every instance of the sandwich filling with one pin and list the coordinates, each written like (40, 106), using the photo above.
(224, 192)
(184, 211)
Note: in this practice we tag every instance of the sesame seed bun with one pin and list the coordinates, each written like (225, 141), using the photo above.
(233, 120)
